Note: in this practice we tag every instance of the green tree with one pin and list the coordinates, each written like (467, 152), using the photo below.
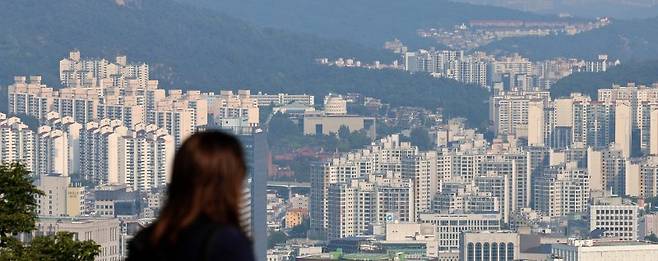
(301, 230)
(343, 132)
(652, 238)
(18, 214)
(275, 238)
(17, 201)
(61, 246)
(421, 138)
(58, 247)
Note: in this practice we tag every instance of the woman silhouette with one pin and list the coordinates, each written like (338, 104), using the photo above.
(201, 219)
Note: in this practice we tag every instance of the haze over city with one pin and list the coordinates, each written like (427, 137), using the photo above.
(371, 130)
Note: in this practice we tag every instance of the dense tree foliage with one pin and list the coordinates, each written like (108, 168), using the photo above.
(58, 247)
(275, 238)
(652, 238)
(625, 40)
(420, 137)
(17, 214)
(17, 201)
(301, 230)
(588, 83)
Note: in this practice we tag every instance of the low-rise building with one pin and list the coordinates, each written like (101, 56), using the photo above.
(581, 250)
(489, 245)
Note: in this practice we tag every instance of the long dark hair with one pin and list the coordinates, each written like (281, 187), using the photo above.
(207, 178)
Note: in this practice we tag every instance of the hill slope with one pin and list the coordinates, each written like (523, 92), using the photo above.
(369, 22)
(189, 47)
(626, 40)
(588, 83)
(622, 9)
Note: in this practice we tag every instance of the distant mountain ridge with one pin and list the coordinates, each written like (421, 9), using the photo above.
(369, 22)
(622, 9)
(588, 83)
(628, 40)
(188, 47)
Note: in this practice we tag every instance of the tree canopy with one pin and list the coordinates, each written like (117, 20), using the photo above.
(18, 215)
(17, 201)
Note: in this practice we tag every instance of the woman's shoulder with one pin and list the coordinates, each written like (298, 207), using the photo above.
(230, 242)
(140, 244)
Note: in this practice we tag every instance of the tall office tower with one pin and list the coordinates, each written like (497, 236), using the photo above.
(616, 218)
(562, 190)
(16, 142)
(355, 206)
(421, 170)
(498, 186)
(536, 124)
(29, 97)
(100, 143)
(386, 155)
(623, 127)
(152, 143)
(257, 153)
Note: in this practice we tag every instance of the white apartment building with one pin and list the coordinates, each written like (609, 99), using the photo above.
(264, 99)
(509, 111)
(177, 119)
(562, 190)
(16, 142)
(460, 197)
(113, 154)
(226, 107)
(88, 73)
(383, 157)
(30, 97)
(356, 206)
(147, 142)
(617, 219)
